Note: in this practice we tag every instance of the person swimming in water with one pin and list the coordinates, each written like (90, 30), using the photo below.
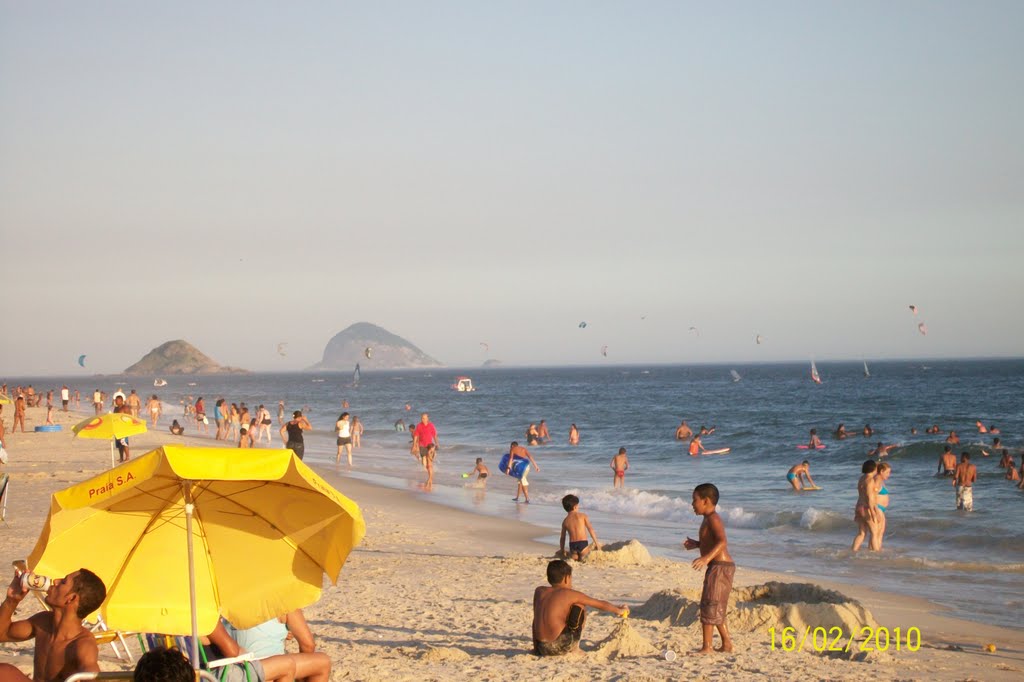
(814, 443)
(840, 432)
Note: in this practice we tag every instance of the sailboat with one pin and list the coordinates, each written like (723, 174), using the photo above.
(735, 375)
(814, 373)
(356, 376)
(867, 374)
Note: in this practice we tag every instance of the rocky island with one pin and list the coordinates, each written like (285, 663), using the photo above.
(179, 357)
(372, 347)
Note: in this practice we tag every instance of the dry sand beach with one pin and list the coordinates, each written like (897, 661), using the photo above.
(435, 593)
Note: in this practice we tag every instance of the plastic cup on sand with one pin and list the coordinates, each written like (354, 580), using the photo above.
(669, 655)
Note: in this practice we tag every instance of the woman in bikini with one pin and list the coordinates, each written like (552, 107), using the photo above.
(865, 513)
(882, 474)
(154, 409)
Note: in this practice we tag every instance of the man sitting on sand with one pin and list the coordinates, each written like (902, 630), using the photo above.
(559, 612)
(63, 645)
(797, 473)
(576, 525)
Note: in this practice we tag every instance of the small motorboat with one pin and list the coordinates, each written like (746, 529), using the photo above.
(463, 385)
(159, 382)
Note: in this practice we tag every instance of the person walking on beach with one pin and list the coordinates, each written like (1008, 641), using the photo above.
(65, 397)
(344, 428)
(559, 612)
(517, 451)
(280, 412)
(202, 423)
(715, 557)
(264, 422)
(423, 436)
(97, 401)
(19, 414)
(865, 513)
(134, 403)
(620, 463)
(64, 646)
(963, 481)
(291, 433)
(797, 473)
(154, 408)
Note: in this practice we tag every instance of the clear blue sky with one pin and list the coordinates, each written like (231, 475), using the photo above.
(243, 173)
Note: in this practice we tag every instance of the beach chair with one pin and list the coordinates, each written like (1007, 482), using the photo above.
(5, 484)
(218, 668)
(126, 675)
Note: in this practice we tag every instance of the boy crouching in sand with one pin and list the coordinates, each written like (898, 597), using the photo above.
(576, 525)
(714, 554)
(559, 612)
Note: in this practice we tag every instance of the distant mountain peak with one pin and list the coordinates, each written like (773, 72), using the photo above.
(179, 357)
(387, 350)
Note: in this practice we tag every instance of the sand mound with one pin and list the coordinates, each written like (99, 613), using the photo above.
(624, 642)
(627, 553)
(442, 654)
(797, 605)
(672, 607)
(774, 604)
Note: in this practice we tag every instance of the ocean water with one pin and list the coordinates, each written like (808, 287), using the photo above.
(931, 550)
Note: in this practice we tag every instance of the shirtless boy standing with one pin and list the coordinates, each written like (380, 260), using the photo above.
(684, 432)
(559, 612)
(63, 646)
(576, 525)
(714, 554)
(963, 481)
(619, 465)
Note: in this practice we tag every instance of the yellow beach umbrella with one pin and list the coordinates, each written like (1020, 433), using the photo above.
(110, 426)
(5, 399)
(263, 528)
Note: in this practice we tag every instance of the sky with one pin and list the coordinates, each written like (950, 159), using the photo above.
(240, 174)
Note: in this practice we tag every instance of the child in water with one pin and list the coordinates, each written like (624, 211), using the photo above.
(481, 471)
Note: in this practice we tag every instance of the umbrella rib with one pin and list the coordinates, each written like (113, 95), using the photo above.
(252, 512)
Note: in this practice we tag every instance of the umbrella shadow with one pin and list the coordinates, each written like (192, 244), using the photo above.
(413, 637)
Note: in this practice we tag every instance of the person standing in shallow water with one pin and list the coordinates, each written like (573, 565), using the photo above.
(574, 435)
(291, 433)
(865, 513)
(963, 482)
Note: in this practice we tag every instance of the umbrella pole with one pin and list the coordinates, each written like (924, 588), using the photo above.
(186, 487)
(112, 454)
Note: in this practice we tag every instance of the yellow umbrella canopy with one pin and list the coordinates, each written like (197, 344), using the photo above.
(264, 528)
(5, 399)
(109, 426)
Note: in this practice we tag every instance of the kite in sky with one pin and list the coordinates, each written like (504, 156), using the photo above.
(368, 352)
(695, 331)
(81, 361)
(923, 329)
(487, 347)
(583, 325)
(604, 351)
(280, 348)
(759, 339)
(913, 309)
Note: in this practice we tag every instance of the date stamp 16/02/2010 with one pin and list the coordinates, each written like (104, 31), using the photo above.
(821, 639)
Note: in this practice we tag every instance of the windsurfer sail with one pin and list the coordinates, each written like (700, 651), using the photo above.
(814, 373)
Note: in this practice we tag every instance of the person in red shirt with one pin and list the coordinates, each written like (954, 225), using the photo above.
(423, 437)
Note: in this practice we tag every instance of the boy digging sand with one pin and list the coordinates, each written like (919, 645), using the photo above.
(576, 525)
(714, 554)
(559, 612)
